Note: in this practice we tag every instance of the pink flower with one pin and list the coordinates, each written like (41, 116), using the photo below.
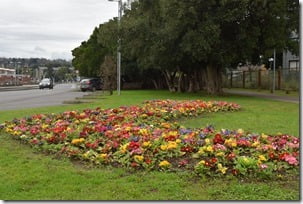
(263, 166)
(219, 147)
(291, 160)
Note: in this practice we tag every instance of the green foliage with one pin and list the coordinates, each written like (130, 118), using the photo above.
(88, 56)
(191, 42)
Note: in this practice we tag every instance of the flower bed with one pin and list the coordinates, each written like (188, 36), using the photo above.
(145, 137)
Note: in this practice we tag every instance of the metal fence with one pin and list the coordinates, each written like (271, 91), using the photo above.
(263, 79)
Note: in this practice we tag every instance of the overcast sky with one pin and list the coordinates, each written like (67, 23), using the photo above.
(49, 28)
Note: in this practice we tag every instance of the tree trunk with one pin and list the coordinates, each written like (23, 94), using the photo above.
(180, 82)
(155, 84)
(214, 80)
(170, 78)
(190, 84)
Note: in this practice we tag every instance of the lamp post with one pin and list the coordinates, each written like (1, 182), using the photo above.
(274, 76)
(272, 61)
(119, 45)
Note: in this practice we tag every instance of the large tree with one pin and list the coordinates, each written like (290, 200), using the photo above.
(191, 42)
(89, 55)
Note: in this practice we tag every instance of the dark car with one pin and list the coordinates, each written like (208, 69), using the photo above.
(91, 84)
(46, 83)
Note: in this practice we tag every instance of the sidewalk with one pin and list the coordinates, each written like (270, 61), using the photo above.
(18, 88)
(291, 99)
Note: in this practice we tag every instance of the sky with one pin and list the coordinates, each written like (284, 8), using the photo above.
(49, 28)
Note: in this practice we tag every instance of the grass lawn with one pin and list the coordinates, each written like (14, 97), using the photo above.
(29, 175)
(266, 91)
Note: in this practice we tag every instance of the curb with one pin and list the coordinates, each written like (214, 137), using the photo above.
(18, 88)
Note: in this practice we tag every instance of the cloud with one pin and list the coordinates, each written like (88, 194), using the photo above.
(49, 28)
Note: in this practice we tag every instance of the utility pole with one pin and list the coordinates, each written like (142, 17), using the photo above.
(119, 47)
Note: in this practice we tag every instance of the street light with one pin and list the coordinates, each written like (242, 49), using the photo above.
(274, 69)
(119, 45)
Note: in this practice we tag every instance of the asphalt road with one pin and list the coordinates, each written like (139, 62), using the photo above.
(20, 99)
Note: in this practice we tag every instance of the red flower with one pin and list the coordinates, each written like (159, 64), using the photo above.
(134, 164)
(271, 155)
(133, 145)
(235, 172)
(295, 154)
(34, 141)
(282, 156)
(207, 163)
(213, 160)
(170, 138)
(183, 163)
(83, 134)
(230, 156)
(218, 139)
(186, 149)
(243, 143)
(148, 161)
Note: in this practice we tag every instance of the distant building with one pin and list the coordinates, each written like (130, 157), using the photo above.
(290, 61)
(9, 77)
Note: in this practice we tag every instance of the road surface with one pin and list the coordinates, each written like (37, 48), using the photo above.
(20, 99)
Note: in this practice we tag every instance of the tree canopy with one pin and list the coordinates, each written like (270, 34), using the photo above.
(190, 43)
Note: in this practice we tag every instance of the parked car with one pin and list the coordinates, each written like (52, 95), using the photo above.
(46, 83)
(91, 84)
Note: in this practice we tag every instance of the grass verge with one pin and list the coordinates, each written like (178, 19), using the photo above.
(28, 175)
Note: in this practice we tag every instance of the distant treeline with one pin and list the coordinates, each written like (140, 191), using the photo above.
(33, 62)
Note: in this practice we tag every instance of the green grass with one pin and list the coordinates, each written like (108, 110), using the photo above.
(265, 91)
(29, 175)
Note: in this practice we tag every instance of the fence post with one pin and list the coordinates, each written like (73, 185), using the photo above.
(243, 77)
(231, 79)
(279, 79)
(259, 79)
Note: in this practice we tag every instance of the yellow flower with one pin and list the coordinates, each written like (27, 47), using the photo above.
(261, 159)
(144, 115)
(84, 120)
(123, 148)
(164, 164)
(86, 154)
(220, 154)
(240, 131)
(178, 141)
(165, 125)
(209, 148)
(171, 145)
(44, 126)
(138, 158)
(201, 150)
(230, 142)
(264, 136)
(163, 147)
(221, 168)
(16, 133)
(143, 131)
(78, 141)
(146, 144)
(207, 141)
(255, 144)
(202, 162)
(103, 156)
(173, 133)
